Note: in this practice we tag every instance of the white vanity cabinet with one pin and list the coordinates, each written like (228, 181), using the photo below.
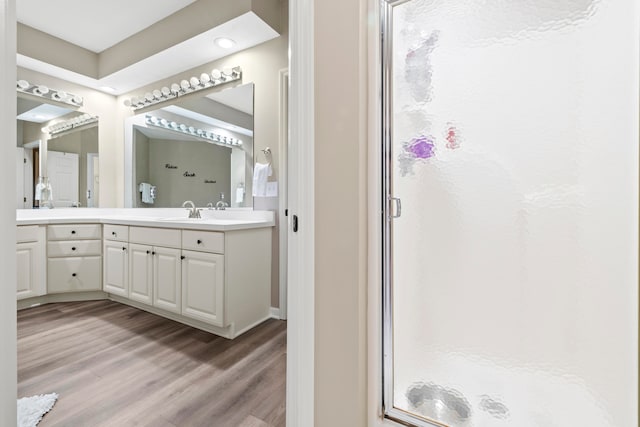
(203, 279)
(141, 273)
(156, 250)
(31, 261)
(74, 258)
(115, 278)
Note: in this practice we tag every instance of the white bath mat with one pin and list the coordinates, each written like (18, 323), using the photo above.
(32, 409)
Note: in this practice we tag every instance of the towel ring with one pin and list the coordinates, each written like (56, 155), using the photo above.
(267, 154)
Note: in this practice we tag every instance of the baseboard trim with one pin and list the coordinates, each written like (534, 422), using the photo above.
(274, 313)
(61, 297)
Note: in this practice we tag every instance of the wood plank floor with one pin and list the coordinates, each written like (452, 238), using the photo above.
(114, 365)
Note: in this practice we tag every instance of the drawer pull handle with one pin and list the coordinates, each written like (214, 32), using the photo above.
(73, 274)
(199, 241)
(73, 248)
(73, 231)
(182, 257)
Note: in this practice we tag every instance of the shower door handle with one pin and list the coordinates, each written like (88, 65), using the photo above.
(398, 207)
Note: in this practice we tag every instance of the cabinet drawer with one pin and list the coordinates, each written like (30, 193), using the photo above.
(75, 274)
(74, 248)
(74, 231)
(119, 233)
(204, 241)
(27, 233)
(167, 237)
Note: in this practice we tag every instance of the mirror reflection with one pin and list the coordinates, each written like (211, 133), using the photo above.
(198, 148)
(62, 165)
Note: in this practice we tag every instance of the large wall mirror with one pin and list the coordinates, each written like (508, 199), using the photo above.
(67, 157)
(199, 148)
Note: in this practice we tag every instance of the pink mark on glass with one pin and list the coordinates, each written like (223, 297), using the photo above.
(452, 138)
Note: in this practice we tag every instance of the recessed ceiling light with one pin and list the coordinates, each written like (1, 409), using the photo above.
(107, 89)
(224, 42)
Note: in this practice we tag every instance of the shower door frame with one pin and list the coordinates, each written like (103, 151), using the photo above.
(390, 209)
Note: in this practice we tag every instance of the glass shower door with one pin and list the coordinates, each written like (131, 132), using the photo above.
(511, 212)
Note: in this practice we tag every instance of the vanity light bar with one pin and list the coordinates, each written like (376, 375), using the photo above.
(194, 84)
(73, 123)
(209, 136)
(52, 94)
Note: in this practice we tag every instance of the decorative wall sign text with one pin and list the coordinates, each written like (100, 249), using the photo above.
(170, 166)
(189, 174)
(209, 181)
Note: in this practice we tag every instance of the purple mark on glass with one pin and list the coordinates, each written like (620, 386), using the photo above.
(419, 149)
(422, 147)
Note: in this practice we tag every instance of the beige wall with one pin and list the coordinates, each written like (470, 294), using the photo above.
(141, 153)
(340, 213)
(8, 377)
(208, 161)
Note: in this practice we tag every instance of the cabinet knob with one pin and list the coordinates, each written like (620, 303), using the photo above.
(148, 252)
(153, 253)
(182, 257)
(73, 248)
(73, 231)
(73, 274)
(199, 241)
(124, 248)
(113, 233)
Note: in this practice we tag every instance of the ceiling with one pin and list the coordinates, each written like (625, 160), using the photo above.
(94, 24)
(97, 25)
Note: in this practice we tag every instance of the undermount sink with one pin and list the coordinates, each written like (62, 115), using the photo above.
(179, 218)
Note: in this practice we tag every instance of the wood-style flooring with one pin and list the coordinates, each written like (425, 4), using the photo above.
(114, 365)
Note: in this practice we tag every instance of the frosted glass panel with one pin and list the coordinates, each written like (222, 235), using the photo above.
(514, 150)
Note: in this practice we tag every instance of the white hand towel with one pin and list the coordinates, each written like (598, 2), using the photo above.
(261, 173)
(145, 189)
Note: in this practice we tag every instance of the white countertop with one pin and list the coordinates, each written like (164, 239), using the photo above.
(226, 220)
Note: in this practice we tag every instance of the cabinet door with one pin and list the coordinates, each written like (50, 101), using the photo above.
(30, 274)
(166, 279)
(203, 287)
(74, 274)
(116, 277)
(140, 273)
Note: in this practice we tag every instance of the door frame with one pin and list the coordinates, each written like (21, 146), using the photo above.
(283, 219)
(300, 384)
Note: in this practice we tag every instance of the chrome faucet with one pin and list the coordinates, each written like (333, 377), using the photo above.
(210, 205)
(193, 212)
(221, 204)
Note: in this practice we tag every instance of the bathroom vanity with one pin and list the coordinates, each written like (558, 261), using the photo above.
(212, 273)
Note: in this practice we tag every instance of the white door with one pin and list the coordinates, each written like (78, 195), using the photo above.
(22, 173)
(203, 287)
(19, 177)
(167, 276)
(140, 273)
(63, 171)
(93, 185)
(116, 277)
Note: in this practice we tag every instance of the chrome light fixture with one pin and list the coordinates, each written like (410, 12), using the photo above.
(43, 91)
(186, 86)
(214, 138)
(63, 126)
